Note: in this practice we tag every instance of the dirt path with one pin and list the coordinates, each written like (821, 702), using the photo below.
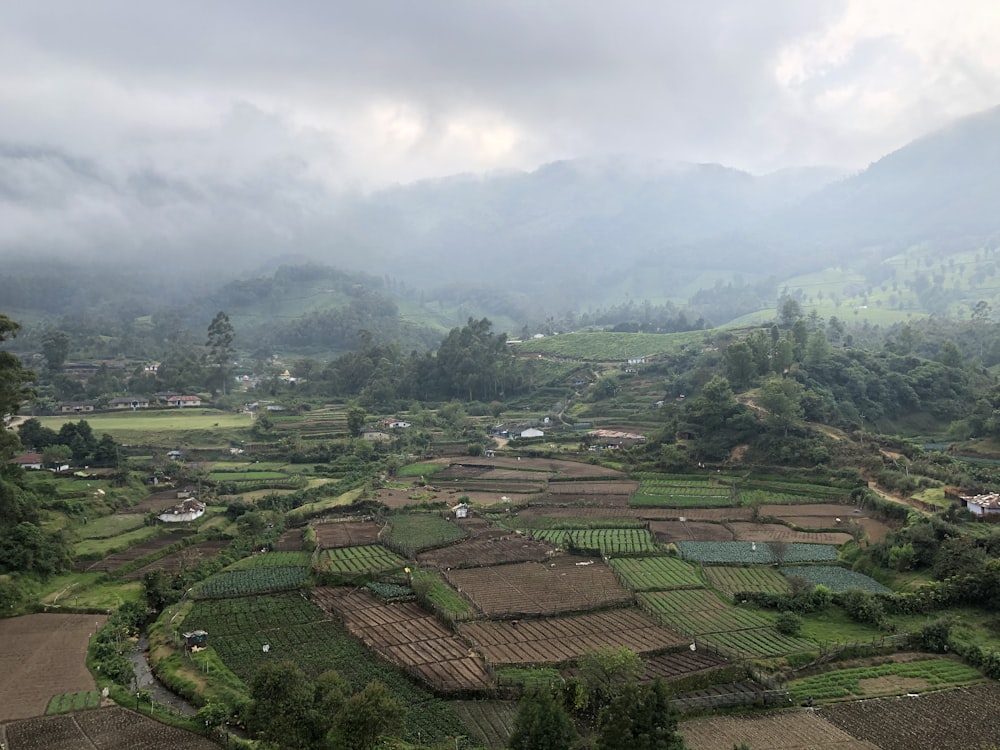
(898, 499)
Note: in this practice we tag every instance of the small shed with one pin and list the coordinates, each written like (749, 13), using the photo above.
(195, 639)
(461, 510)
(186, 510)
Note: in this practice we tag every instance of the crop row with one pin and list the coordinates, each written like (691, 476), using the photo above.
(753, 579)
(702, 617)
(680, 499)
(654, 573)
(604, 541)
(273, 560)
(760, 553)
(246, 582)
(366, 559)
(834, 578)
(844, 683)
(410, 533)
(251, 615)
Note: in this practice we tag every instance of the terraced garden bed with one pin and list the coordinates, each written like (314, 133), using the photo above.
(752, 553)
(183, 559)
(369, 559)
(252, 581)
(776, 532)
(410, 533)
(491, 548)
(690, 531)
(564, 584)
(346, 533)
(894, 678)
(787, 730)
(605, 542)
(835, 578)
(406, 635)
(655, 573)
(104, 729)
(555, 640)
(750, 579)
(489, 723)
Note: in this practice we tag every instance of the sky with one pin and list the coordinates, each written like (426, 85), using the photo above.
(108, 104)
(392, 91)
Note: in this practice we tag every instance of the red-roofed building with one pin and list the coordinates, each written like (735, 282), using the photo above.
(28, 460)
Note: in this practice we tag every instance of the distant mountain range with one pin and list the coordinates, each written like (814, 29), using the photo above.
(569, 235)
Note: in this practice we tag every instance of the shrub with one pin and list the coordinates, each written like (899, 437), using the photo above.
(788, 623)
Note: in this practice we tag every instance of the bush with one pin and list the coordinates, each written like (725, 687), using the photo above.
(788, 623)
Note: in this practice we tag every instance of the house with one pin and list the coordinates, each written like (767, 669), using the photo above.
(982, 505)
(186, 510)
(76, 407)
(129, 402)
(393, 423)
(182, 401)
(532, 432)
(27, 460)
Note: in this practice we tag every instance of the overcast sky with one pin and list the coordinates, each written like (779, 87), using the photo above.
(376, 92)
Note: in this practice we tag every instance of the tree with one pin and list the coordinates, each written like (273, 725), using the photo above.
(281, 701)
(541, 723)
(55, 349)
(14, 379)
(605, 673)
(365, 717)
(781, 398)
(220, 349)
(641, 718)
(356, 416)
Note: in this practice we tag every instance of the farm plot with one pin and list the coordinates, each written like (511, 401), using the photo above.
(835, 578)
(752, 553)
(409, 533)
(729, 695)
(776, 532)
(555, 640)
(109, 526)
(317, 646)
(273, 560)
(690, 531)
(346, 533)
(948, 720)
(599, 541)
(405, 634)
(105, 729)
(825, 515)
(733, 630)
(674, 666)
(253, 581)
(788, 730)
(289, 541)
(588, 489)
(118, 560)
(655, 573)
(753, 579)
(494, 547)
(181, 560)
(369, 559)
(659, 493)
(156, 502)
(877, 680)
(565, 584)
(258, 614)
(489, 723)
(49, 659)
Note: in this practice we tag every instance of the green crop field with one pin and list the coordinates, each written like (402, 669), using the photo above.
(273, 560)
(295, 629)
(245, 476)
(756, 553)
(419, 470)
(848, 683)
(109, 526)
(662, 491)
(655, 573)
(61, 704)
(753, 579)
(606, 346)
(442, 597)
(363, 560)
(835, 578)
(613, 541)
(247, 582)
(410, 533)
(93, 549)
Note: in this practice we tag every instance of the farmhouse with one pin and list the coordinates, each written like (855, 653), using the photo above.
(76, 407)
(186, 510)
(393, 423)
(982, 505)
(27, 460)
(182, 401)
(129, 402)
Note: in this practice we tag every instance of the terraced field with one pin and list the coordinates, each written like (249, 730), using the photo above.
(346, 533)
(655, 573)
(751, 579)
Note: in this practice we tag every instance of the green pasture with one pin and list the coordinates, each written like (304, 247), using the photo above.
(309, 510)
(165, 429)
(109, 526)
(97, 548)
(431, 587)
(419, 469)
(604, 346)
(847, 683)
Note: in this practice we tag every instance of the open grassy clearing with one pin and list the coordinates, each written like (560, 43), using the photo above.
(109, 526)
(193, 427)
(96, 548)
(604, 346)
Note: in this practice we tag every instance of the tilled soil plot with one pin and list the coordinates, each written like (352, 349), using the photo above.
(587, 489)
(683, 531)
(347, 534)
(554, 640)
(959, 719)
(44, 655)
(776, 532)
(671, 666)
(825, 515)
(493, 547)
(104, 729)
(289, 541)
(788, 730)
(406, 635)
(564, 584)
(184, 559)
(121, 559)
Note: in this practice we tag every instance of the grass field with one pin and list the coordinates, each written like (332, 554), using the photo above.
(164, 429)
(408, 533)
(109, 526)
(895, 678)
(96, 548)
(608, 346)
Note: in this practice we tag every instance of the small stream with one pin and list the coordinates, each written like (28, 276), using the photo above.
(146, 680)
